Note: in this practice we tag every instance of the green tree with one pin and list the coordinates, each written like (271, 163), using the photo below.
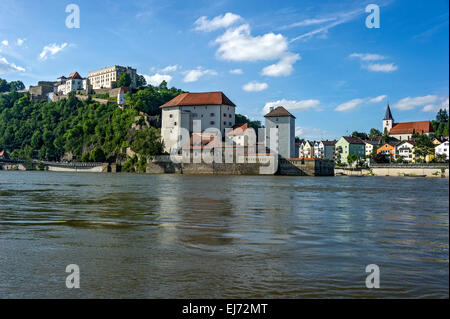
(351, 158)
(374, 133)
(16, 86)
(140, 81)
(361, 135)
(124, 80)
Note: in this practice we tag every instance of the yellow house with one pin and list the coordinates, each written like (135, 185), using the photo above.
(419, 159)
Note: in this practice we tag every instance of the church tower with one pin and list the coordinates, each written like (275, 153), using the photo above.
(388, 120)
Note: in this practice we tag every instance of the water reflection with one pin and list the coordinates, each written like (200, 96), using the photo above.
(223, 236)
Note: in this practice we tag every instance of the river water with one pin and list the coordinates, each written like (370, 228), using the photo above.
(173, 236)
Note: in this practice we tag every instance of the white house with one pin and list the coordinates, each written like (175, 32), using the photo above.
(306, 149)
(241, 137)
(372, 144)
(73, 83)
(404, 150)
(121, 96)
(284, 121)
(213, 110)
(442, 149)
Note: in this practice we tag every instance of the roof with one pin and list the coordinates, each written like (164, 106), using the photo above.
(413, 143)
(353, 140)
(329, 143)
(238, 129)
(412, 127)
(279, 112)
(193, 99)
(373, 142)
(75, 75)
(388, 115)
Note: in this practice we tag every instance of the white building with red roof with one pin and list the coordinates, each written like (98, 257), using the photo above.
(73, 83)
(213, 111)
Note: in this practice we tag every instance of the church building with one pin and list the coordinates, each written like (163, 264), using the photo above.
(404, 131)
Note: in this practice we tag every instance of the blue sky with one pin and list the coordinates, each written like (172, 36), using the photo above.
(316, 58)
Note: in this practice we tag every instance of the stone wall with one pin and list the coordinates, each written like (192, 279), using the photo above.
(306, 167)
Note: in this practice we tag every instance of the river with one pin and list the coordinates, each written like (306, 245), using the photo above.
(175, 236)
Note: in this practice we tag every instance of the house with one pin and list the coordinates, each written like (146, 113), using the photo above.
(284, 121)
(325, 149)
(194, 113)
(306, 150)
(42, 91)
(404, 150)
(348, 145)
(442, 149)
(107, 78)
(404, 131)
(240, 136)
(373, 143)
(387, 150)
(73, 83)
(121, 96)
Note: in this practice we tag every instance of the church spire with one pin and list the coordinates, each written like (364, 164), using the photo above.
(388, 116)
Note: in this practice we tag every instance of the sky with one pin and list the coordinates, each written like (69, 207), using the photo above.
(318, 59)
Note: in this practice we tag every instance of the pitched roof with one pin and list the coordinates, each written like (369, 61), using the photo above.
(238, 129)
(388, 115)
(329, 143)
(193, 99)
(279, 112)
(412, 127)
(413, 143)
(353, 140)
(75, 75)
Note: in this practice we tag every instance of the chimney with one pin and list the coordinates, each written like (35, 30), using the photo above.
(271, 108)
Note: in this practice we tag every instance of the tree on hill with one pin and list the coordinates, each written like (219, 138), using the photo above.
(124, 80)
(11, 86)
(149, 99)
(140, 81)
(242, 119)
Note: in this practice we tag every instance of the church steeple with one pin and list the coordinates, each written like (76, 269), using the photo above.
(388, 121)
(388, 116)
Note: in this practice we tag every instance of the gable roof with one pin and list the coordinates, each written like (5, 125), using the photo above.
(329, 143)
(279, 112)
(412, 127)
(238, 129)
(75, 75)
(413, 143)
(388, 115)
(353, 140)
(193, 99)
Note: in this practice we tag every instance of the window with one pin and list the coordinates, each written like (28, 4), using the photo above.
(212, 123)
(170, 115)
(224, 114)
(174, 123)
(229, 123)
(229, 115)
(224, 123)
(212, 114)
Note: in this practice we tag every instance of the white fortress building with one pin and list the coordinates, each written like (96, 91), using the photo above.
(213, 110)
(284, 121)
(73, 83)
(107, 78)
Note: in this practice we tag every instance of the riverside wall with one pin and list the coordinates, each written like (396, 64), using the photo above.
(399, 171)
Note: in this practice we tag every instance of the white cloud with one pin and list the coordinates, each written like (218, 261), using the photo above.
(238, 44)
(170, 68)
(157, 78)
(308, 22)
(236, 71)
(196, 74)
(6, 67)
(377, 67)
(367, 56)
(410, 103)
(350, 105)
(5, 43)
(221, 21)
(338, 20)
(20, 42)
(51, 50)
(292, 105)
(378, 99)
(436, 107)
(311, 134)
(255, 86)
(283, 67)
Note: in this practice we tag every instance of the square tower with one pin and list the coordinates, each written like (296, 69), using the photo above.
(284, 121)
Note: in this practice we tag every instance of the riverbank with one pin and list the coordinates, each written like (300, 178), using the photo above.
(395, 170)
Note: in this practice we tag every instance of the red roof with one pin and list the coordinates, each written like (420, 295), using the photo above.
(412, 127)
(75, 75)
(193, 99)
(279, 112)
(238, 129)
